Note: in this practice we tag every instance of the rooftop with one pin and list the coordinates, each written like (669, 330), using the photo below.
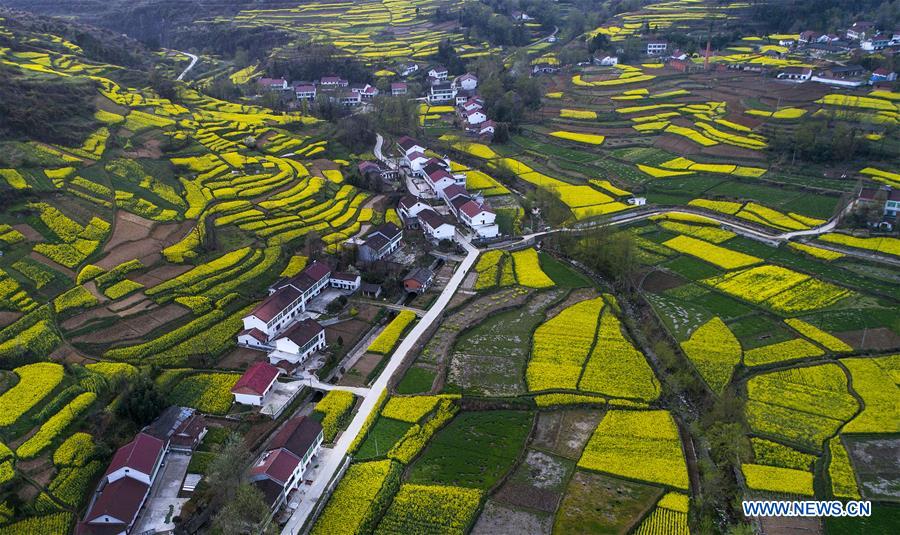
(256, 379)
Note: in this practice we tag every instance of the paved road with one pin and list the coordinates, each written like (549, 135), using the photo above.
(379, 142)
(331, 458)
(732, 225)
(194, 60)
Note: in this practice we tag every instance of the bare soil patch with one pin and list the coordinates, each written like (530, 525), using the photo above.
(150, 149)
(880, 338)
(134, 327)
(497, 518)
(876, 462)
(774, 525)
(349, 332)
(566, 432)
(6, 318)
(660, 281)
(161, 274)
(146, 250)
(53, 265)
(29, 233)
(595, 503)
(356, 376)
(85, 317)
(240, 358)
(129, 227)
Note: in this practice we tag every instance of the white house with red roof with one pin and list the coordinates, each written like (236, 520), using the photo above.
(124, 487)
(475, 117)
(299, 342)
(487, 129)
(255, 384)
(287, 299)
(467, 82)
(333, 81)
(439, 179)
(480, 218)
(399, 89)
(435, 226)
(273, 84)
(408, 145)
(409, 207)
(279, 469)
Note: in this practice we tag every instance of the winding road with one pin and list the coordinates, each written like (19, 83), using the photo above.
(194, 60)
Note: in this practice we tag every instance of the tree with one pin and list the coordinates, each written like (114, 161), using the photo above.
(245, 513)
(225, 474)
(141, 402)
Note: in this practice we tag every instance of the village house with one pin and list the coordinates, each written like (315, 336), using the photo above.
(435, 227)
(858, 31)
(255, 384)
(299, 342)
(808, 36)
(408, 145)
(305, 91)
(273, 84)
(409, 207)
(287, 299)
(382, 241)
(882, 75)
(365, 91)
(418, 280)
(441, 92)
(399, 89)
(876, 42)
(795, 74)
(349, 98)
(841, 76)
(332, 82)
(605, 60)
(438, 72)
(467, 82)
(124, 487)
(480, 218)
(406, 69)
(182, 428)
(886, 194)
(657, 48)
(345, 281)
(279, 469)
(487, 129)
(475, 117)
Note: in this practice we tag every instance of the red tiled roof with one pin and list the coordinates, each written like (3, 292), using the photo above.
(439, 175)
(140, 454)
(120, 499)
(415, 155)
(454, 191)
(431, 218)
(277, 465)
(255, 333)
(303, 331)
(297, 435)
(275, 303)
(408, 201)
(459, 202)
(256, 379)
(407, 143)
(398, 85)
(344, 276)
(472, 209)
(317, 270)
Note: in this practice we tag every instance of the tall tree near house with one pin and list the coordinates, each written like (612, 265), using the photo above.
(245, 513)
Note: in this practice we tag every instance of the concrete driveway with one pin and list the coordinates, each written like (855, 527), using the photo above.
(164, 501)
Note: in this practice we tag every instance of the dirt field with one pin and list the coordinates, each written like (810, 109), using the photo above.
(791, 526)
(7, 318)
(356, 376)
(136, 237)
(537, 483)
(240, 358)
(566, 432)
(29, 233)
(134, 327)
(160, 274)
(497, 518)
(879, 338)
(660, 281)
(876, 462)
